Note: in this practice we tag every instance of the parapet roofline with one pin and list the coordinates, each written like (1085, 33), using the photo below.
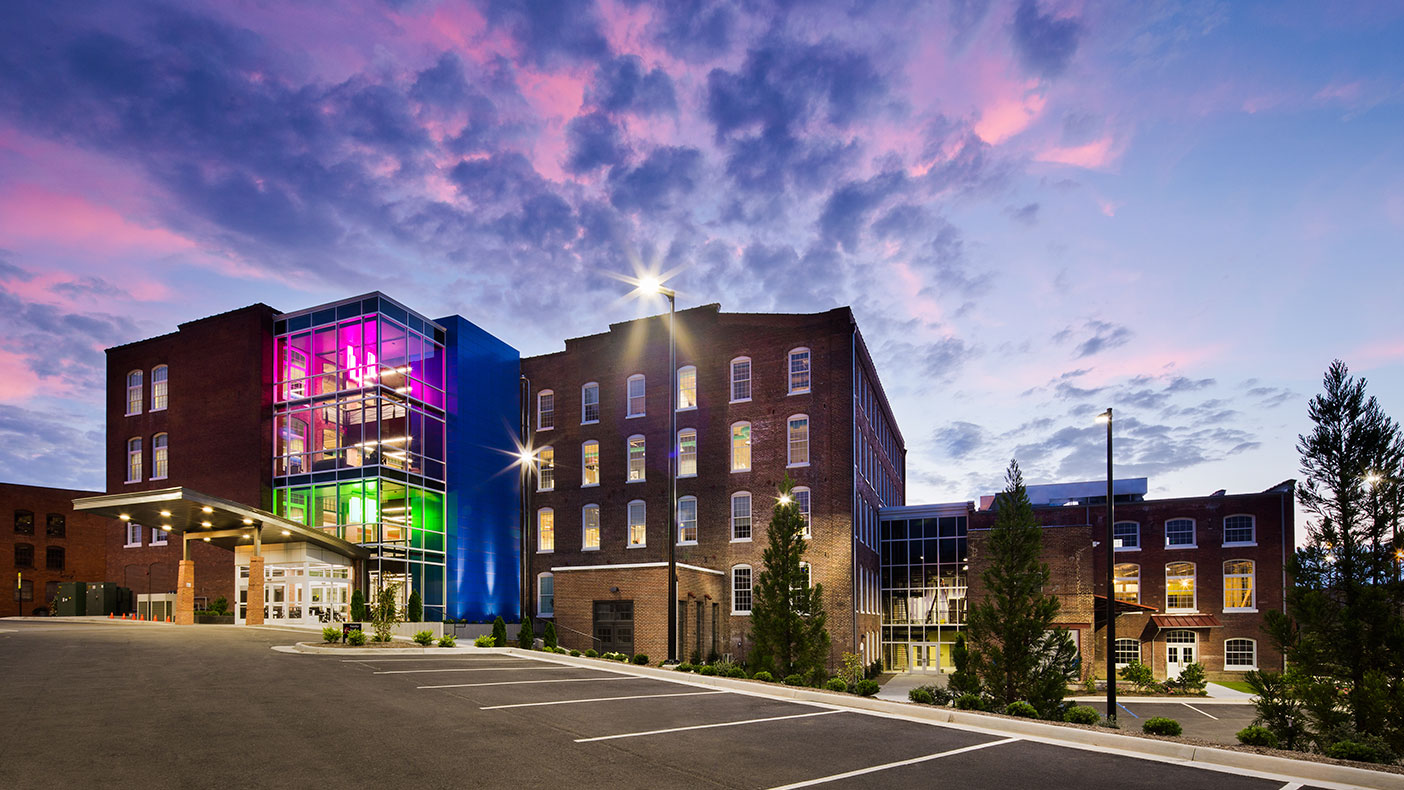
(184, 324)
(354, 299)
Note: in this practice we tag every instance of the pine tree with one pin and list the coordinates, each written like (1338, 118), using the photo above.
(963, 680)
(526, 639)
(499, 632)
(358, 606)
(787, 611)
(549, 637)
(414, 612)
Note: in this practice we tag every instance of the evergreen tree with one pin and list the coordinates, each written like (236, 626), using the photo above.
(499, 632)
(526, 639)
(1014, 650)
(414, 612)
(358, 606)
(963, 680)
(787, 611)
(549, 637)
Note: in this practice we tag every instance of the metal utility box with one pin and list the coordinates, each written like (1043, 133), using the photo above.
(102, 598)
(72, 599)
(124, 601)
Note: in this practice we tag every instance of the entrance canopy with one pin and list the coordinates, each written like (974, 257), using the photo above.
(1167, 621)
(197, 516)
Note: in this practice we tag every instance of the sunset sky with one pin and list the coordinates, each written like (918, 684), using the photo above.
(1182, 210)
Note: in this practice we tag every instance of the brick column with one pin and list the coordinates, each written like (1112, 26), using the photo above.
(255, 613)
(185, 593)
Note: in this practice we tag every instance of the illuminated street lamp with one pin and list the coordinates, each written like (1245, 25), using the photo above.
(526, 461)
(1106, 417)
(652, 285)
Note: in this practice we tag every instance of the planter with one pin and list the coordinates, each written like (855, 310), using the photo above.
(214, 619)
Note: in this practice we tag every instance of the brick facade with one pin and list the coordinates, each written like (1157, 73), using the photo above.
(26, 511)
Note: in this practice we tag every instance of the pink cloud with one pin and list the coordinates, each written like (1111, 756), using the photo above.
(31, 213)
(1008, 117)
(1093, 156)
(17, 381)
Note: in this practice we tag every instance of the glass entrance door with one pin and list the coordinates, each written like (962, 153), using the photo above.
(1179, 652)
(926, 657)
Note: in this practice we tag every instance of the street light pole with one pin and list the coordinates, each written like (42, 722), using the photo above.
(672, 473)
(1111, 575)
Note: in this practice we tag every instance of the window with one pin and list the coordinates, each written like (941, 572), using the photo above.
(53, 558)
(799, 370)
(741, 589)
(159, 396)
(1179, 587)
(741, 447)
(545, 410)
(133, 534)
(801, 496)
(1128, 651)
(158, 536)
(687, 453)
(1127, 582)
(635, 388)
(740, 379)
(55, 525)
(636, 459)
(24, 522)
(1239, 530)
(1238, 586)
(134, 460)
(638, 529)
(134, 393)
(590, 528)
(590, 463)
(590, 403)
(798, 433)
(687, 388)
(546, 474)
(1126, 535)
(24, 555)
(1240, 654)
(741, 515)
(687, 520)
(159, 463)
(1179, 532)
(545, 595)
(545, 530)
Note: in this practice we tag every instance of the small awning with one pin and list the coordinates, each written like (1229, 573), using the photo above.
(1164, 621)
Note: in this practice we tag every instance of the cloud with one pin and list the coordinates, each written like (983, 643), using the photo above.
(668, 173)
(59, 348)
(622, 85)
(551, 33)
(1025, 215)
(1103, 336)
(50, 447)
(848, 207)
(695, 30)
(1045, 44)
(960, 439)
(595, 142)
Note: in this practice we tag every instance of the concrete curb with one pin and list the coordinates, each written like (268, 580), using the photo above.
(310, 647)
(1167, 700)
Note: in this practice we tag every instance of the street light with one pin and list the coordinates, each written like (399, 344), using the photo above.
(1106, 417)
(526, 461)
(650, 284)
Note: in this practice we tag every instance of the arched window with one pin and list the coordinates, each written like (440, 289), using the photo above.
(687, 388)
(687, 520)
(55, 525)
(1128, 651)
(740, 379)
(797, 432)
(545, 530)
(546, 469)
(545, 595)
(590, 528)
(635, 389)
(1240, 531)
(545, 410)
(590, 463)
(1127, 582)
(799, 370)
(590, 403)
(741, 515)
(638, 525)
(134, 392)
(687, 452)
(741, 447)
(1179, 587)
(134, 459)
(160, 462)
(1240, 655)
(160, 397)
(24, 522)
(1179, 533)
(1126, 536)
(1239, 592)
(637, 457)
(801, 497)
(741, 589)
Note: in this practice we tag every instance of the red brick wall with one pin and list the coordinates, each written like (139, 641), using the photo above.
(84, 543)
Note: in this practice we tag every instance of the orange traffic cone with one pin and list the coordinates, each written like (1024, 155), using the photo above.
(109, 615)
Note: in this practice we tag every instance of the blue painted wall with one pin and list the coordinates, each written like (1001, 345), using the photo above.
(484, 520)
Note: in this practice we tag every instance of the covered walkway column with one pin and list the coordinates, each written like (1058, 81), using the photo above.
(254, 615)
(185, 586)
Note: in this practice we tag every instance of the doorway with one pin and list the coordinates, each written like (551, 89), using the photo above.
(1180, 649)
(926, 657)
(614, 627)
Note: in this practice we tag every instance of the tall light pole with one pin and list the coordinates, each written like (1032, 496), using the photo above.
(651, 285)
(1106, 417)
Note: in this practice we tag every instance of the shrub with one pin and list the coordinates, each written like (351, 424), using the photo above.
(708, 670)
(525, 638)
(486, 640)
(414, 612)
(385, 612)
(357, 638)
(358, 605)
(735, 671)
(548, 638)
(221, 607)
(1192, 678)
(874, 669)
(379, 637)
(763, 676)
(1353, 750)
(1109, 724)
(615, 656)
(836, 684)
(448, 640)
(866, 688)
(852, 670)
(1138, 674)
(425, 638)
(1089, 685)
(921, 694)
(1081, 714)
(559, 649)
(685, 667)
(941, 694)
(590, 653)
(969, 702)
(575, 653)
(794, 680)
(1160, 725)
(499, 633)
(641, 659)
(1021, 709)
(331, 634)
(1254, 735)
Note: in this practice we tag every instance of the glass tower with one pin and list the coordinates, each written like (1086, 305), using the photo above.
(359, 439)
(924, 580)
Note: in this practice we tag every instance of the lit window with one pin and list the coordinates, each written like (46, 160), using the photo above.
(545, 410)
(798, 433)
(638, 528)
(741, 589)
(590, 463)
(799, 370)
(1128, 651)
(687, 388)
(1179, 532)
(1238, 586)
(134, 392)
(741, 447)
(687, 519)
(546, 475)
(1179, 587)
(546, 595)
(801, 497)
(741, 515)
(687, 453)
(545, 530)
(24, 522)
(1127, 582)
(590, 403)
(1239, 530)
(1126, 535)
(134, 460)
(636, 389)
(159, 395)
(158, 536)
(590, 528)
(740, 379)
(133, 534)
(159, 460)
(637, 456)
(1240, 654)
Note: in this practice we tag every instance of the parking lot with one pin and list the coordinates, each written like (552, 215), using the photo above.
(163, 706)
(1205, 719)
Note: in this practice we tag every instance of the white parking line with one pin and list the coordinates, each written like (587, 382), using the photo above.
(525, 682)
(835, 777)
(460, 669)
(599, 699)
(1291, 786)
(706, 726)
(1197, 710)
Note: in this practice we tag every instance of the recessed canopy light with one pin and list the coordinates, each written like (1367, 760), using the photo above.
(248, 521)
(206, 509)
(166, 513)
(207, 540)
(125, 517)
(285, 532)
(206, 524)
(246, 534)
(166, 527)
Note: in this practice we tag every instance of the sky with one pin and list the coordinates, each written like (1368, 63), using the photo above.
(1036, 209)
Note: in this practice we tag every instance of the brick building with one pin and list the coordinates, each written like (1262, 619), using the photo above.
(46, 543)
(760, 396)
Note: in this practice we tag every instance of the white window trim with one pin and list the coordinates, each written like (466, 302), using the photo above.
(731, 380)
(808, 441)
(1193, 575)
(539, 577)
(629, 413)
(598, 405)
(1194, 534)
(139, 530)
(552, 426)
(140, 387)
(539, 511)
(1139, 649)
(693, 407)
(1139, 587)
(695, 522)
(732, 589)
(628, 458)
(809, 524)
(139, 452)
(1240, 543)
(1136, 547)
(1241, 667)
(731, 447)
(167, 382)
(599, 473)
(540, 464)
(629, 526)
(167, 448)
(599, 527)
(695, 452)
(789, 371)
(1252, 607)
(159, 537)
(732, 518)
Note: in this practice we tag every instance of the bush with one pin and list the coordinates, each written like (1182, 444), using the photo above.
(685, 667)
(921, 694)
(1160, 725)
(615, 656)
(590, 653)
(331, 634)
(866, 688)
(548, 638)
(425, 638)
(1353, 750)
(708, 670)
(763, 676)
(1257, 736)
(874, 669)
(358, 606)
(735, 671)
(969, 702)
(1109, 724)
(1021, 709)
(1081, 714)
(486, 640)
(499, 633)
(641, 659)
(379, 637)
(1192, 678)
(448, 640)
(836, 684)
(414, 612)
(1138, 674)
(526, 640)
(794, 680)
(575, 653)
(357, 638)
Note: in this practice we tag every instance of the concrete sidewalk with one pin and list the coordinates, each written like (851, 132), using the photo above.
(895, 688)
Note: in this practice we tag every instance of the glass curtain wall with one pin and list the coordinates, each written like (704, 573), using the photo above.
(924, 572)
(359, 437)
